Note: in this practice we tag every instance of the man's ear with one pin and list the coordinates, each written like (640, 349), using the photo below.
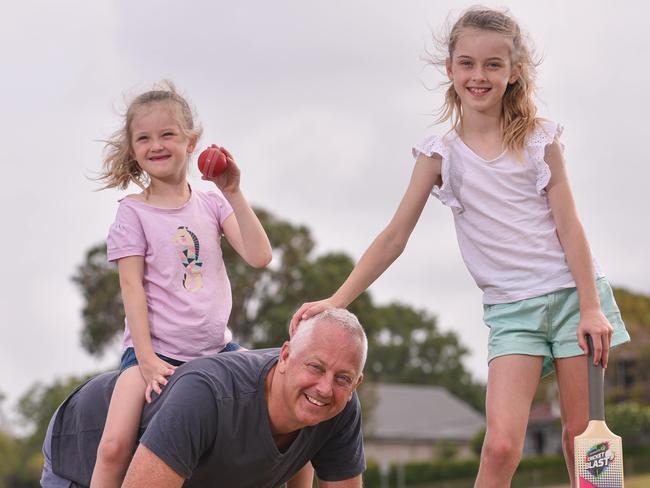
(284, 357)
(359, 381)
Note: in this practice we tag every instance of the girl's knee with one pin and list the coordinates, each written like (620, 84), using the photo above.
(114, 451)
(569, 432)
(574, 427)
(499, 449)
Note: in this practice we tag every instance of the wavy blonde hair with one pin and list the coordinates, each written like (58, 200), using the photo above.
(518, 117)
(119, 166)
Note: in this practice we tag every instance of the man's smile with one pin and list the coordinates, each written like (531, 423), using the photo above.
(313, 401)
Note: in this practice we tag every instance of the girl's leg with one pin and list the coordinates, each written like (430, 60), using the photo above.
(512, 382)
(120, 431)
(574, 404)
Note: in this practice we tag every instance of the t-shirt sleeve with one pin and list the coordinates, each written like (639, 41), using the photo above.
(126, 236)
(185, 426)
(221, 207)
(342, 456)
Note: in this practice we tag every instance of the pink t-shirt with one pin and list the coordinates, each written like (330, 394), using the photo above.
(185, 281)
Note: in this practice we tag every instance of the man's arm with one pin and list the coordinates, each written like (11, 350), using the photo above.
(303, 478)
(355, 482)
(147, 469)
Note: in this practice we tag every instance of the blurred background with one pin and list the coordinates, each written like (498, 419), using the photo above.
(320, 103)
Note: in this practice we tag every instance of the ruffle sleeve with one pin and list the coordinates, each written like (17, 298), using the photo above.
(438, 145)
(541, 137)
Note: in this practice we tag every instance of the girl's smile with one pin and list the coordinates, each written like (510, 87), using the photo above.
(159, 145)
(481, 69)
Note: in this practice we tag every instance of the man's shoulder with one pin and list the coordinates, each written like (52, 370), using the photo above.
(229, 371)
(254, 358)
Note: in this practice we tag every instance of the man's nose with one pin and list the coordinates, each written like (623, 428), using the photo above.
(325, 386)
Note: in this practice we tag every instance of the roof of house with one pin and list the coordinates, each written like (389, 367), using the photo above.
(418, 413)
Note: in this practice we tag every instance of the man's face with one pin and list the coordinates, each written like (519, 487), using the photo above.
(319, 376)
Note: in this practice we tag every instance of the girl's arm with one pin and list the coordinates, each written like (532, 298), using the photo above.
(153, 369)
(387, 246)
(242, 228)
(574, 242)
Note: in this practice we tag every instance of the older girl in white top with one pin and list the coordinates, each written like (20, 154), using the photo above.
(501, 171)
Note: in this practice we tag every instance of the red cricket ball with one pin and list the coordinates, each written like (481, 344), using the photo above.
(212, 161)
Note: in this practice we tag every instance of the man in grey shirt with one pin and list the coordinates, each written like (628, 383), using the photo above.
(240, 419)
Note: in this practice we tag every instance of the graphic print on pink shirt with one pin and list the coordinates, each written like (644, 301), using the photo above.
(192, 279)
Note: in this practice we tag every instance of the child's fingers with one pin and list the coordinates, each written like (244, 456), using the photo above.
(604, 357)
(601, 348)
(226, 152)
(314, 309)
(154, 386)
(582, 342)
(295, 319)
(302, 313)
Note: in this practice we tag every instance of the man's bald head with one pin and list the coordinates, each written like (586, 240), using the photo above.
(335, 318)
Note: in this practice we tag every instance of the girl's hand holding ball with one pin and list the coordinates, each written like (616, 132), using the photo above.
(212, 161)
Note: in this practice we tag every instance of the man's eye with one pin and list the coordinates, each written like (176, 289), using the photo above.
(344, 380)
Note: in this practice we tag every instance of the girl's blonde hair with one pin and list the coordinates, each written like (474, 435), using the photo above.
(518, 118)
(119, 166)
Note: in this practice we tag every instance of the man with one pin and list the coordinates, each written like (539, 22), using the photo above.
(241, 419)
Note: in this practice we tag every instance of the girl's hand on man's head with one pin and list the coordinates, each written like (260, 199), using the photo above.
(308, 310)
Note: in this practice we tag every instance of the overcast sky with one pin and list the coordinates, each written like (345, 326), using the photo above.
(320, 103)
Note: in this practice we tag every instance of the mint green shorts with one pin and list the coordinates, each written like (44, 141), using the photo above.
(547, 325)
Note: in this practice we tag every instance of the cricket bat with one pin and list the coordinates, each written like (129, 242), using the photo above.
(598, 451)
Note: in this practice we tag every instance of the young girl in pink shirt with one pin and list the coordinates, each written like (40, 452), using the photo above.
(166, 242)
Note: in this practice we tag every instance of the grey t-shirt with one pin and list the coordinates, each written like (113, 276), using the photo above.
(211, 426)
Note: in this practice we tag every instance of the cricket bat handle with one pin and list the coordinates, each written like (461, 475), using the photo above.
(596, 385)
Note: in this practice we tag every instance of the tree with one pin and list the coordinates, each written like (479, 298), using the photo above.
(405, 344)
(9, 457)
(631, 421)
(103, 311)
(38, 404)
(628, 372)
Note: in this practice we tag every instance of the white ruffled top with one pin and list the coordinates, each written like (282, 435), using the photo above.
(504, 225)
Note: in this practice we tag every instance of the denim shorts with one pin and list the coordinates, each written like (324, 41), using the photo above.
(129, 359)
(547, 325)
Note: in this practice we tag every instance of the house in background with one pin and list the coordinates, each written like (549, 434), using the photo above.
(410, 423)
(544, 431)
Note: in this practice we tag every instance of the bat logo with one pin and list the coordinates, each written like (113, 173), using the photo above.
(598, 459)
